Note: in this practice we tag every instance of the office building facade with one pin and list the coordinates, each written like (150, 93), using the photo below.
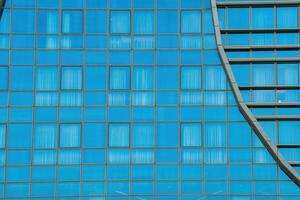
(149, 99)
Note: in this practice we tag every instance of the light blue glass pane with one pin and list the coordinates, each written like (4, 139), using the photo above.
(191, 4)
(43, 173)
(142, 156)
(215, 156)
(190, 21)
(287, 17)
(234, 14)
(167, 4)
(71, 57)
(70, 135)
(43, 189)
(19, 136)
(167, 114)
(48, 4)
(191, 42)
(47, 41)
(69, 157)
(265, 172)
(191, 135)
(17, 157)
(94, 114)
(94, 156)
(142, 135)
(3, 78)
(288, 74)
(5, 21)
(143, 4)
(143, 42)
(240, 155)
(120, 22)
(167, 57)
(242, 74)
(21, 41)
(215, 134)
(143, 98)
(143, 188)
(68, 114)
(208, 21)
(21, 78)
(44, 157)
(143, 22)
(96, 21)
(23, 21)
(167, 155)
(68, 189)
(17, 190)
(118, 156)
(2, 135)
(190, 78)
(214, 78)
(45, 136)
(288, 132)
(93, 172)
(119, 114)
(190, 57)
(118, 42)
(263, 74)
(240, 172)
(94, 135)
(71, 78)
(143, 78)
(143, 57)
(46, 99)
(210, 113)
(167, 135)
(95, 41)
(5, 41)
(72, 21)
(118, 172)
(68, 42)
(191, 113)
(167, 78)
(170, 188)
(214, 171)
(68, 173)
(168, 42)
(166, 22)
(22, 57)
(21, 99)
(239, 134)
(167, 172)
(287, 38)
(119, 78)
(215, 98)
(46, 78)
(48, 21)
(262, 18)
(70, 99)
(142, 172)
(190, 98)
(189, 172)
(118, 135)
(92, 80)
(96, 4)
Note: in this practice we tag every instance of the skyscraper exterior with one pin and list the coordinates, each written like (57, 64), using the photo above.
(150, 99)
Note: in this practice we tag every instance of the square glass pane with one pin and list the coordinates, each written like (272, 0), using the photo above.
(119, 78)
(118, 135)
(72, 21)
(120, 21)
(191, 21)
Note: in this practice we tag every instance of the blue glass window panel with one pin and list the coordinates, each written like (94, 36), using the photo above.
(48, 21)
(23, 21)
(288, 96)
(120, 21)
(46, 99)
(167, 114)
(94, 98)
(167, 98)
(167, 172)
(71, 57)
(69, 156)
(240, 172)
(265, 172)
(2, 135)
(167, 57)
(118, 135)
(209, 42)
(287, 53)
(215, 134)
(263, 74)
(211, 57)
(94, 114)
(287, 38)
(167, 155)
(120, 3)
(239, 134)
(119, 78)
(68, 189)
(48, 4)
(96, 21)
(287, 74)
(142, 156)
(191, 21)
(263, 96)
(92, 80)
(142, 172)
(191, 156)
(210, 113)
(20, 114)
(142, 135)
(70, 135)
(215, 156)
(215, 98)
(235, 13)
(262, 156)
(167, 135)
(190, 78)
(3, 117)
(143, 22)
(207, 21)
(93, 172)
(262, 18)
(215, 172)
(114, 188)
(119, 57)
(170, 188)
(189, 172)
(242, 74)
(119, 42)
(119, 114)
(3, 98)
(214, 78)
(96, 4)
(191, 113)
(143, 78)
(96, 41)
(166, 22)
(191, 4)
(289, 188)
(265, 187)
(190, 57)
(46, 78)
(71, 78)
(68, 114)
(93, 188)
(234, 114)
(72, 21)
(47, 41)
(17, 190)
(240, 155)
(143, 114)
(167, 78)
(287, 17)
(262, 38)
(70, 41)
(143, 42)
(44, 157)
(93, 156)
(95, 57)
(94, 135)
(3, 78)
(70, 99)
(5, 41)
(143, 4)
(241, 187)
(118, 172)
(191, 187)
(22, 4)
(45, 136)
(167, 4)
(191, 134)
(47, 57)
(5, 21)
(43, 189)
(167, 41)
(46, 114)
(118, 156)
(22, 41)
(119, 98)
(238, 39)
(69, 173)
(288, 132)
(43, 173)
(22, 57)
(142, 98)
(143, 188)
(190, 98)
(17, 157)
(222, 17)
(143, 57)
(72, 3)
(20, 135)
(191, 42)
(4, 57)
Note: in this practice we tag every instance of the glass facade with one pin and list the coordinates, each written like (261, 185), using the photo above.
(128, 99)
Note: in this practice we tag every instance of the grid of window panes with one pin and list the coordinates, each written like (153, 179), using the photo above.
(123, 99)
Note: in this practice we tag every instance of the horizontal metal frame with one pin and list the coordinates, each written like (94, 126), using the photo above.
(256, 3)
(288, 146)
(262, 47)
(273, 30)
(263, 60)
(272, 104)
(271, 87)
(278, 117)
(293, 163)
(245, 111)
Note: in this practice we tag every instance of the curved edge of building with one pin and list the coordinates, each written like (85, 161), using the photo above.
(252, 121)
(2, 3)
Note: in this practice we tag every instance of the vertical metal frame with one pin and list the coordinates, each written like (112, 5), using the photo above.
(252, 121)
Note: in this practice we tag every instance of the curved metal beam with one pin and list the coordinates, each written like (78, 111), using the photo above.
(272, 149)
(2, 3)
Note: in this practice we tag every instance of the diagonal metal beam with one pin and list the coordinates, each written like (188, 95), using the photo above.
(272, 148)
(2, 3)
